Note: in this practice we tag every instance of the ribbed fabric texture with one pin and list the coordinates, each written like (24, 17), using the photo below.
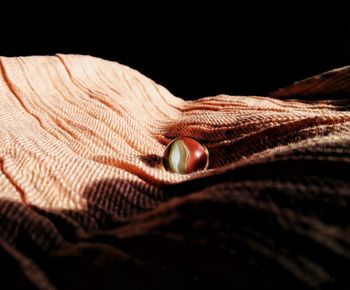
(85, 204)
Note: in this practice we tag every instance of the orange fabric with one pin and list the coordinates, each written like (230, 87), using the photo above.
(81, 141)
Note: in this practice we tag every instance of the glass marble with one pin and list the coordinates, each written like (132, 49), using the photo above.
(185, 155)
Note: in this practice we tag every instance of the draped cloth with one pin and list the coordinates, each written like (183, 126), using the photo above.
(85, 203)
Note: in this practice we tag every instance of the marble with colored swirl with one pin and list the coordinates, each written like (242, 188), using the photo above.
(185, 155)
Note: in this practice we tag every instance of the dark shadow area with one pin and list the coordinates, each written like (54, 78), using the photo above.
(151, 160)
(103, 260)
(148, 261)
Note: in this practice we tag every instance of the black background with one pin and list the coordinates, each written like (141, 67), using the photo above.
(191, 52)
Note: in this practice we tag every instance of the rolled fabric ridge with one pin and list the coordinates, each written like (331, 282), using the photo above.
(84, 202)
(333, 83)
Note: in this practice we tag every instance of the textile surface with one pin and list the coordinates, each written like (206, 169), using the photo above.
(85, 204)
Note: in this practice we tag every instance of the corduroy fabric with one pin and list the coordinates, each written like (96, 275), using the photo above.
(84, 203)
